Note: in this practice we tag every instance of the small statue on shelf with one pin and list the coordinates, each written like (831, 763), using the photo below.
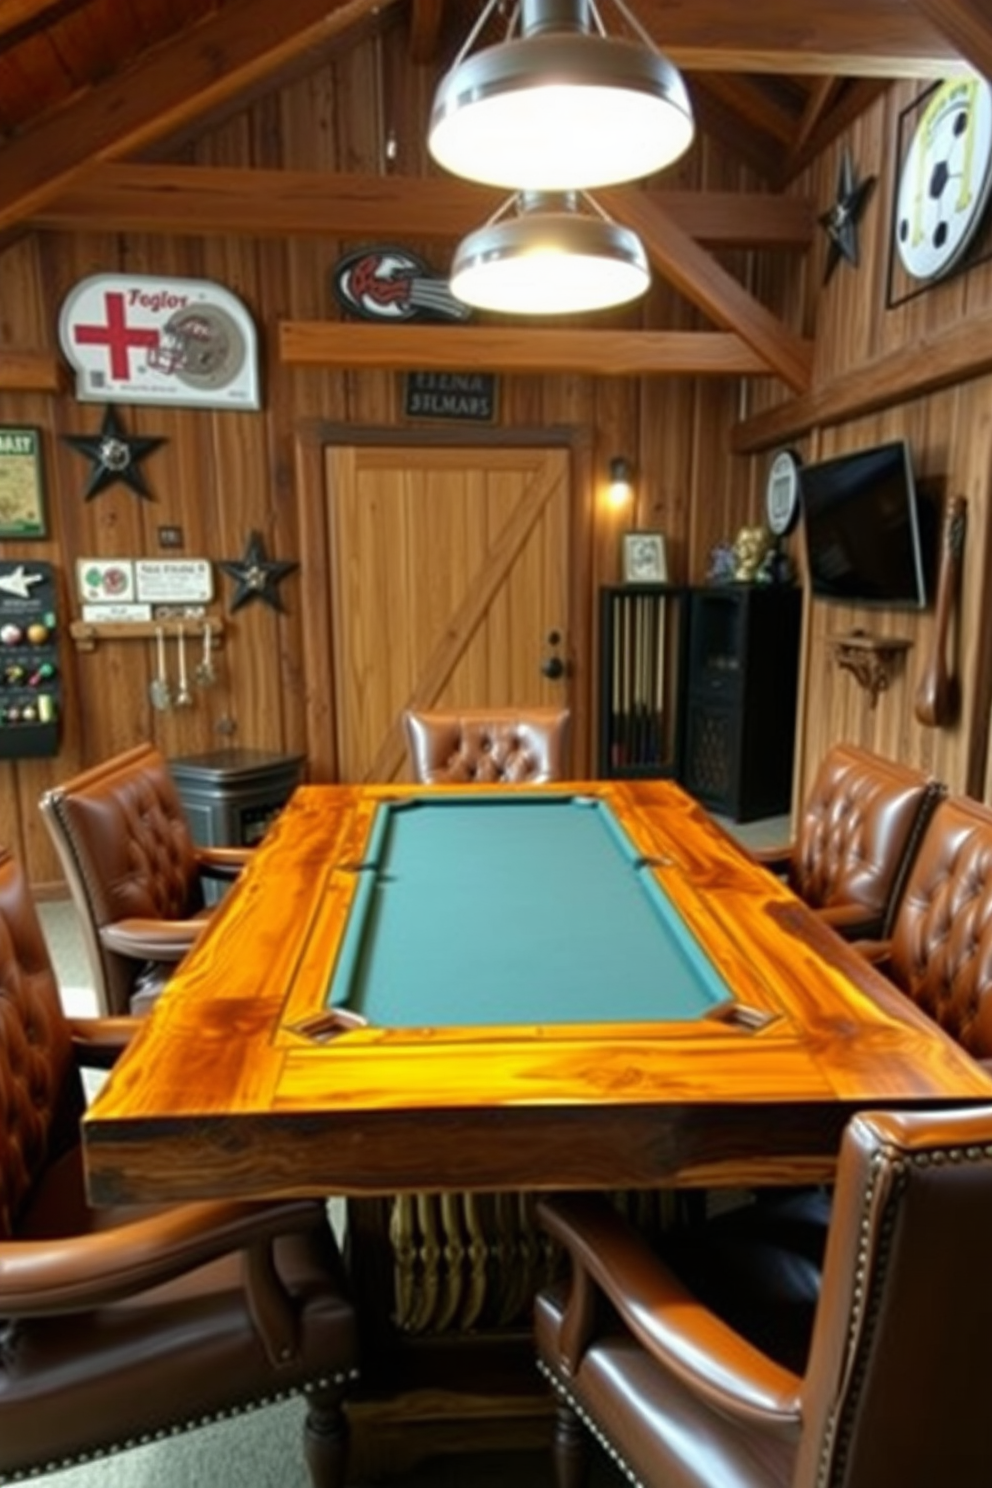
(751, 546)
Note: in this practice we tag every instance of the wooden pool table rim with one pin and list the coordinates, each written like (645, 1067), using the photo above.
(220, 1094)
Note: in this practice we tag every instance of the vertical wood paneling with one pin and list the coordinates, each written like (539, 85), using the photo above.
(949, 437)
(221, 475)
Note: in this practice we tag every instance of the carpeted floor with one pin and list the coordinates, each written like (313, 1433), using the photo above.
(264, 1450)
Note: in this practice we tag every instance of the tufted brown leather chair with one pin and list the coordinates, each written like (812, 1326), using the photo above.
(119, 1326)
(861, 825)
(488, 746)
(883, 1385)
(940, 947)
(134, 873)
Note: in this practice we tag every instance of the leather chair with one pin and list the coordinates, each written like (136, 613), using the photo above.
(134, 873)
(861, 825)
(881, 1383)
(488, 746)
(120, 1326)
(939, 951)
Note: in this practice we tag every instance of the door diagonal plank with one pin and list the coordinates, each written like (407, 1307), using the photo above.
(480, 589)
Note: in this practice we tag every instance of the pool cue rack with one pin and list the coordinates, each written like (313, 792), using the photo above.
(643, 640)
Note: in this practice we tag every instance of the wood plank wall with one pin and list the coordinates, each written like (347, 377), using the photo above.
(219, 475)
(950, 436)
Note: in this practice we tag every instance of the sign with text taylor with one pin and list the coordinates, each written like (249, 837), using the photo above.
(469, 397)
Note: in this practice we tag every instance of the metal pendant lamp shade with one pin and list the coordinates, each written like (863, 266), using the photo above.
(560, 107)
(551, 258)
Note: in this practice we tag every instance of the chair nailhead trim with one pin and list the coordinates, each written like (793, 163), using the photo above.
(178, 1428)
(590, 1424)
(836, 1440)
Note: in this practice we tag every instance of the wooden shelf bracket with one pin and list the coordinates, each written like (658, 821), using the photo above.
(871, 659)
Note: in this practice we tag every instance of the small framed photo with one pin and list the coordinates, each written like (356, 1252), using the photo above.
(22, 492)
(644, 558)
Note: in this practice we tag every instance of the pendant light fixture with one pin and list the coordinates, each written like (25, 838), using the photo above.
(561, 106)
(543, 254)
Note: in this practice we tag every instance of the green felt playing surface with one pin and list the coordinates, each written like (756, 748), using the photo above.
(514, 910)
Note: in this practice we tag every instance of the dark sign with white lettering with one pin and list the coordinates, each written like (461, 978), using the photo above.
(468, 397)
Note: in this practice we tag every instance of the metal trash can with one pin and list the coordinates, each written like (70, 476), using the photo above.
(230, 796)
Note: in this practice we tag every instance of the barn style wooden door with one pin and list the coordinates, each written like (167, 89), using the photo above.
(450, 581)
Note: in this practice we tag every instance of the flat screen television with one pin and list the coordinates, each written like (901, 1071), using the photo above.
(869, 537)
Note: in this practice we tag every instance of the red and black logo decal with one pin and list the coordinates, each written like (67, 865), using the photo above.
(392, 284)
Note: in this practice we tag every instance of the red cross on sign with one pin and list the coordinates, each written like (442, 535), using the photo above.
(117, 336)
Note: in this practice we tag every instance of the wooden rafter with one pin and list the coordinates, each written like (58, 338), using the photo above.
(967, 24)
(425, 29)
(821, 96)
(697, 275)
(752, 105)
(853, 38)
(23, 18)
(208, 200)
(522, 348)
(29, 371)
(858, 95)
(742, 141)
(165, 89)
(954, 355)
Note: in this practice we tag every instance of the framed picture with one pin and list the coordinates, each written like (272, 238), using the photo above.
(644, 558)
(22, 494)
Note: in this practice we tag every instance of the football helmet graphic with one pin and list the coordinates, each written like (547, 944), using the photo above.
(200, 345)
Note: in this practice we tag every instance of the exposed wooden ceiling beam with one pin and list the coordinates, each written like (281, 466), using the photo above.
(820, 97)
(856, 38)
(525, 348)
(858, 95)
(23, 18)
(425, 29)
(207, 200)
(720, 123)
(697, 275)
(163, 90)
(954, 355)
(751, 105)
(967, 24)
(29, 371)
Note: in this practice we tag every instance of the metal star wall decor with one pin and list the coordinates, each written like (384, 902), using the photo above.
(257, 576)
(841, 222)
(115, 456)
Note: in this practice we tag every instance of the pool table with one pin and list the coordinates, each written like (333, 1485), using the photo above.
(587, 985)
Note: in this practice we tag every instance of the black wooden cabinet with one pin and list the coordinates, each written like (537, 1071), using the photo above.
(740, 698)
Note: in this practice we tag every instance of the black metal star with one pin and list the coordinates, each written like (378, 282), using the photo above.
(841, 222)
(256, 575)
(115, 456)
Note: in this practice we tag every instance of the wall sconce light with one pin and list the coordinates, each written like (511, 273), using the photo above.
(621, 483)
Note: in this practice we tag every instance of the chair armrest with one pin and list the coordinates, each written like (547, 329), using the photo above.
(222, 862)
(98, 1041)
(79, 1272)
(877, 952)
(852, 921)
(152, 940)
(776, 858)
(672, 1326)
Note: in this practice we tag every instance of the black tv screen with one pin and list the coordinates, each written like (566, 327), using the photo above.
(867, 534)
